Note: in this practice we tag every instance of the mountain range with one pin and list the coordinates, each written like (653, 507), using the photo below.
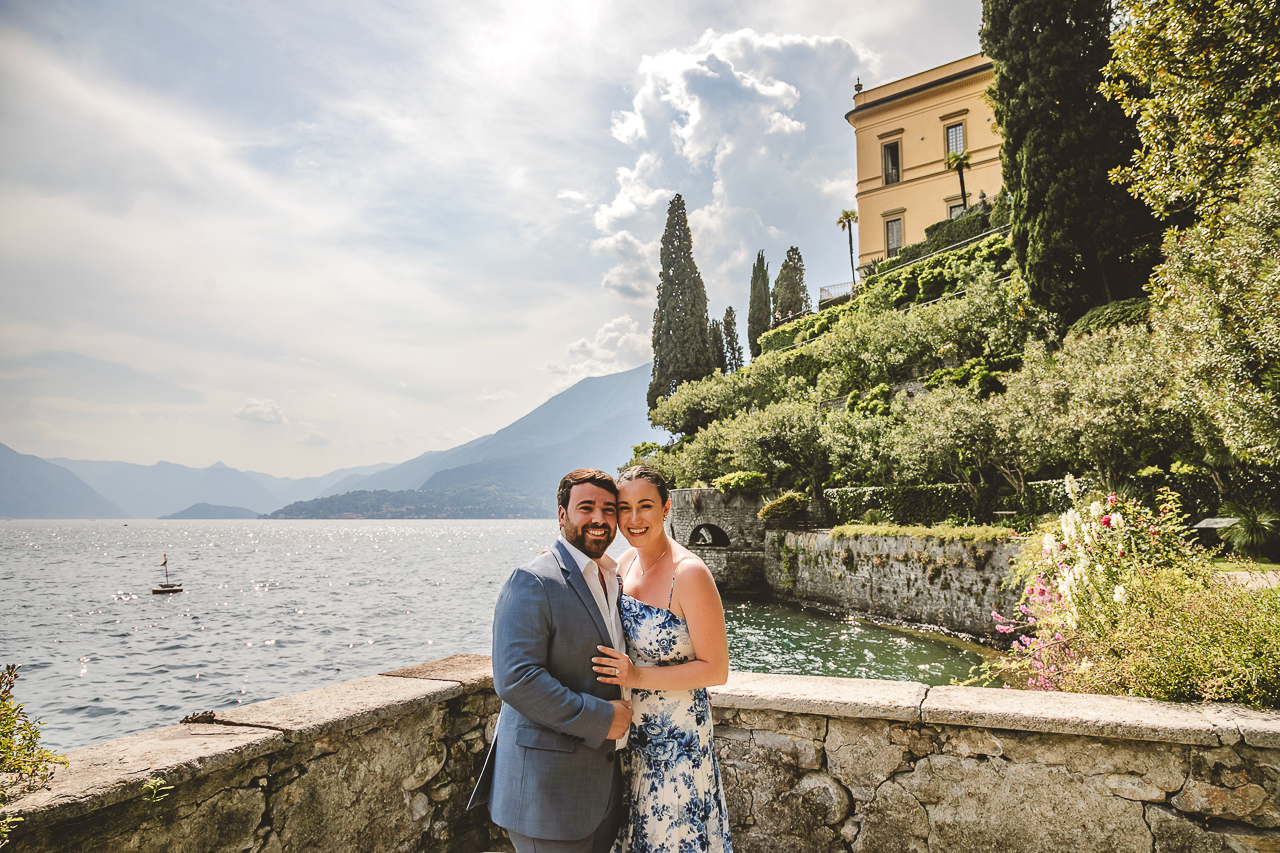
(510, 473)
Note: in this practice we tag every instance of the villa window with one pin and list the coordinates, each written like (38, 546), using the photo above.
(892, 163)
(955, 211)
(893, 237)
(955, 138)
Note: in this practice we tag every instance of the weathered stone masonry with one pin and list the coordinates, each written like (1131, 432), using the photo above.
(810, 764)
(952, 584)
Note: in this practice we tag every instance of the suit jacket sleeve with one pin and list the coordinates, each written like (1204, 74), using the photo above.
(522, 634)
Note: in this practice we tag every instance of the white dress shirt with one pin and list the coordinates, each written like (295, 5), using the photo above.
(606, 600)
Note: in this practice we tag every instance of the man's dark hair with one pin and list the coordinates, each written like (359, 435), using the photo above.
(594, 476)
(652, 475)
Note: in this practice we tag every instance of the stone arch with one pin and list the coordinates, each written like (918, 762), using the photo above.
(709, 534)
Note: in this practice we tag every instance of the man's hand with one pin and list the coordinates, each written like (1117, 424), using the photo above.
(621, 718)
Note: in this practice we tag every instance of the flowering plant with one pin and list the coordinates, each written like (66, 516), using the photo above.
(1119, 599)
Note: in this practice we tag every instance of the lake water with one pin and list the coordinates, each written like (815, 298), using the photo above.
(278, 607)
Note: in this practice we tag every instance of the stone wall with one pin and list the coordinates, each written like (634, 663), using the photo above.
(739, 564)
(379, 764)
(811, 765)
(953, 584)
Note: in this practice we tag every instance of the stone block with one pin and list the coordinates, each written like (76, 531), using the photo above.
(1119, 717)
(830, 798)
(1164, 765)
(982, 805)
(806, 753)
(894, 822)
(800, 725)
(1207, 800)
(340, 707)
(861, 756)
(815, 694)
(1134, 788)
(473, 672)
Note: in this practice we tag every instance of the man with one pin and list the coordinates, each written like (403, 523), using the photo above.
(551, 778)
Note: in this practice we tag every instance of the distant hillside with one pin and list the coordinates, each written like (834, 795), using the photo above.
(287, 490)
(151, 491)
(30, 487)
(595, 424)
(490, 502)
(211, 511)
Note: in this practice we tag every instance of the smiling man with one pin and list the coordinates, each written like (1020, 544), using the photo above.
(551, 778)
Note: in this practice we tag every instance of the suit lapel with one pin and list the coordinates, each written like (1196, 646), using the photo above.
(579, 584)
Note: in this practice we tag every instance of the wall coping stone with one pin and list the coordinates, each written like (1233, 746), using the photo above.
(816, 694)
(473, 672)
(1120, 717)
(115, 771)
(307, 716)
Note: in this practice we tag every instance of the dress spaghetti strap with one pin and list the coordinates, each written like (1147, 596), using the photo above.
(672, 592)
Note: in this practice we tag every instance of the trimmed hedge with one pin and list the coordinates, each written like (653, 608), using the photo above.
(1126, 312)
(926, 505)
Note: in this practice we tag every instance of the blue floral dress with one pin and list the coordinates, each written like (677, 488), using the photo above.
(672, 792)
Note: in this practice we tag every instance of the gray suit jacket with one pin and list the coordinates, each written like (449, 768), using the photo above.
(550, 769)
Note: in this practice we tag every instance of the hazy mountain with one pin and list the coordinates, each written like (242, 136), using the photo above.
(30, 487)
(288, 490)
(608, 412)
(512, 473)
(515, 470)
(211, 511)
(150, 491)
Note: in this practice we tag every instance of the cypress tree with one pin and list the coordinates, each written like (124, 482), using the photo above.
(1079, 239)
(758, 307)
(716, 331)
(732, 349)
(789, 293)
(681, 339)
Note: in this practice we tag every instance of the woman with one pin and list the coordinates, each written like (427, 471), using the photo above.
(674, 622)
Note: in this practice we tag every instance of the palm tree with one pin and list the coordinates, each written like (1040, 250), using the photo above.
(959, 160)
(846, 221)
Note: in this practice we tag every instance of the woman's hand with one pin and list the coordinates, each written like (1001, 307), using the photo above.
(615, 668)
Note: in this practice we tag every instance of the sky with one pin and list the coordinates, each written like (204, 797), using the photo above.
(298, 236)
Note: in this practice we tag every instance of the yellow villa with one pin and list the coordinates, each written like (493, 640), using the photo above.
(905, 130)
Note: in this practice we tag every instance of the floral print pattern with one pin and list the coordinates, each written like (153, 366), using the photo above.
(673, 795)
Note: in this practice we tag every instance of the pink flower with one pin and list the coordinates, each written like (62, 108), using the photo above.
(1106, 521)
(1111, 499)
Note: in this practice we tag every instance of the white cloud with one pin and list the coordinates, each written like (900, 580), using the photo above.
(263, 411)
(753, 139)
(618, 345)
(315, 439)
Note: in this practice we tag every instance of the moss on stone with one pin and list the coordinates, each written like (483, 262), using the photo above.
(943, 533)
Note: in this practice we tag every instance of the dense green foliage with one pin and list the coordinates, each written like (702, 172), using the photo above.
(1201, 81)
(732, 347)
(790, 296)
(923, 281)
(25, 766)
(681, 336)
(942, 235)
(1080, 240)
(758, 314)
(1124, 312)
(745, 482)
(1121, 602)
(937, 533)
(784, 510)
(716, 333)
(1219, 324)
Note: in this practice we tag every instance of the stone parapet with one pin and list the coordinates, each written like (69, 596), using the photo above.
(810, 763)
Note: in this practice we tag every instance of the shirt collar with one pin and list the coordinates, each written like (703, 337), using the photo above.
(580, 558)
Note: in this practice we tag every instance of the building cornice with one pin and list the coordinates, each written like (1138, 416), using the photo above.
(916, 90)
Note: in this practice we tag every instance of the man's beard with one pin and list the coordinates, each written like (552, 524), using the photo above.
(593, 548)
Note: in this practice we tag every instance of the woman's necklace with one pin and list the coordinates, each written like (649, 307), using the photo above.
(654, 563)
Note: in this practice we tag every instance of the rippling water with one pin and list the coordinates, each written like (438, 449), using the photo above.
(278, 607)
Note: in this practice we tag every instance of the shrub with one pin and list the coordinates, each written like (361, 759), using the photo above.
(748, 482)
(25, 766)
(1120, 601)
(784, 509)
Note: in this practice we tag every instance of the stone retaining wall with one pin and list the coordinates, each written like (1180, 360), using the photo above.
(952, 584)
(810, 764)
